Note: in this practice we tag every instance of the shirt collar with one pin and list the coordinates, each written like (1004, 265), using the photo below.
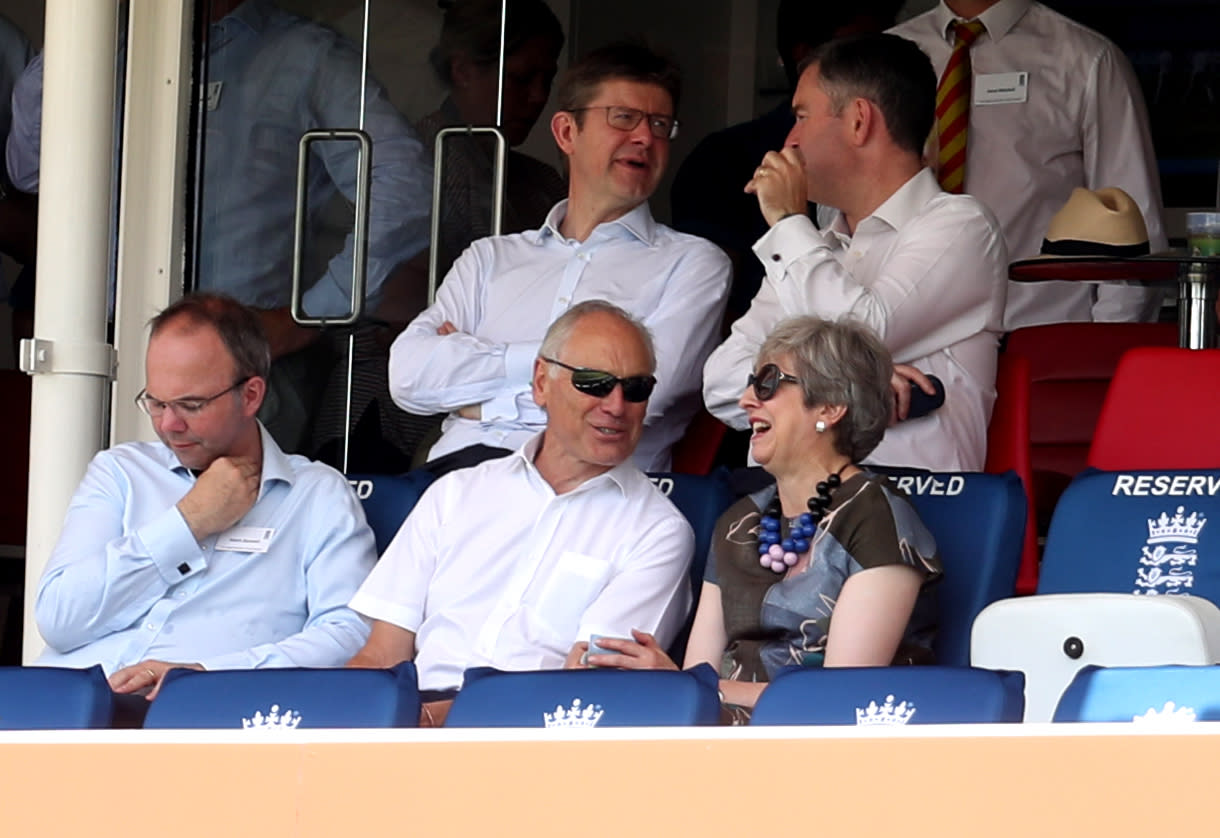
(899, 208)
(254, 14)
(998, 20)
(908, 200)
(276, 465)
(524, 457)
(638, 223)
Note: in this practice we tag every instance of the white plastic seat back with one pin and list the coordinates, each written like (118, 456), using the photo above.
(1051, 636)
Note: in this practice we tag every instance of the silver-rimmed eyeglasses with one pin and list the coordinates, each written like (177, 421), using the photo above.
(182, 408)
(663, 126)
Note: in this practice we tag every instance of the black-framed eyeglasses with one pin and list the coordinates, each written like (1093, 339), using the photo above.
(599, 384)
(767, 380)
(182, 408)
(663, 126)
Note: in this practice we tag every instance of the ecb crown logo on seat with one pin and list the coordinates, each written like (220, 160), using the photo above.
(575, 716)
(885, 715)
(274, 720)
(1166, 569)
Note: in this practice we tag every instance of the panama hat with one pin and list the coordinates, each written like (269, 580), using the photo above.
(1099, 234)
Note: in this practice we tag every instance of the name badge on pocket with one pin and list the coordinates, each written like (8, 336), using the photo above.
(246, 540)
(214, 88)
(1001, 88)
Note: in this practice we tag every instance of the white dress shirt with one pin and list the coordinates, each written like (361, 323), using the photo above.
(926, 271)
(1083, 124)
(504, 292)
(492, 568)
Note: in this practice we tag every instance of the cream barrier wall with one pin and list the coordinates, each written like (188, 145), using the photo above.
(1033, 780)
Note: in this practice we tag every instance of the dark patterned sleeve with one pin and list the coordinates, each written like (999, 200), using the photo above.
(721, 542)
(879, 527)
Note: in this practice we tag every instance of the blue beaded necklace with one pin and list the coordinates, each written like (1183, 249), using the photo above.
(779, 553)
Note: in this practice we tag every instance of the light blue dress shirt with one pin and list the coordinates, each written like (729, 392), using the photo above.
(127, 580)
(271, 77)
(15, 54)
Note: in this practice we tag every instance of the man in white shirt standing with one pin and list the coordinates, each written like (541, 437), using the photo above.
(925, 269)
(512, 562)
(472, 352)
(1054, 106)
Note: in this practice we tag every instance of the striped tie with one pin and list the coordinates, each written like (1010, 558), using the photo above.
(953, 108)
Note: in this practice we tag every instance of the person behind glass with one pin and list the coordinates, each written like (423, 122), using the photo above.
(467, 61)
(271, 76)
(830, 566)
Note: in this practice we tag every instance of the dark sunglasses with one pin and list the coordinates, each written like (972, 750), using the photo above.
(598, 383)
(767, 380)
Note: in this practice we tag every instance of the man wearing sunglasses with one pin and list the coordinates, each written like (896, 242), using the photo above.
(211, 548)
(511, 563)
(471, 354)
(925, 269)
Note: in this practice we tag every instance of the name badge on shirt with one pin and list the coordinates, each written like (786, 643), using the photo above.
(246, 539)
(214, 88)
(1001, 88)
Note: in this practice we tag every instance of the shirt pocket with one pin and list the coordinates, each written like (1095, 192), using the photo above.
(570, 588)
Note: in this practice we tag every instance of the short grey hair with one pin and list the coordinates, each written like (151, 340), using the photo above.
(839, 363)
(559, 332)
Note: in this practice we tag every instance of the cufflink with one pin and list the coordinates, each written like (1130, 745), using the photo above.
(775, 257)
(184, 568)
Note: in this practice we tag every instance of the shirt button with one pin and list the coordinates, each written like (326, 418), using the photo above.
(150, 626)
(182, 595)
(563, 300)
(775, 257)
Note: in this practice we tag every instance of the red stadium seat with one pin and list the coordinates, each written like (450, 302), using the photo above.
(1071, 365)
(695, 452)
(1161, 412)
(1008, 450)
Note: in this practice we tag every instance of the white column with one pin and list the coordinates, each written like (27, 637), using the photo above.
(152, 193)
(69, 355)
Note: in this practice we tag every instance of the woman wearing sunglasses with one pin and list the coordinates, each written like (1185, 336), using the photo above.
(831, 566)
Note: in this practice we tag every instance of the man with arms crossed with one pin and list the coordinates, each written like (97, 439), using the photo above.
(925, 269)
(211, 548)
(511, 563)
(473, 351)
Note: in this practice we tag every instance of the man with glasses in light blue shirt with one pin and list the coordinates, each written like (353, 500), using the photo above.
(211, 548)
(472, 353)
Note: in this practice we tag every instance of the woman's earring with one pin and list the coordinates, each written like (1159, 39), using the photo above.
(820, 426)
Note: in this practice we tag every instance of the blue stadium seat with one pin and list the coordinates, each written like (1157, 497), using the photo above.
(388, 499)
(1161, 694)
(1142, 532)
(978, 521)
(583, 698)
(1130, 577)
(701, 499)
(890, 696)
(48, 698)
(287, 698)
